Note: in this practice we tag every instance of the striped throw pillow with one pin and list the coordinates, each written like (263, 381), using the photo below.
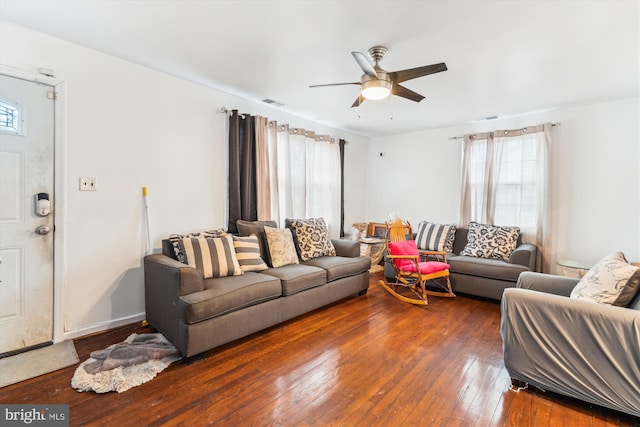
(175, 241)
(214, 257)
(435, 237)
(248, 253)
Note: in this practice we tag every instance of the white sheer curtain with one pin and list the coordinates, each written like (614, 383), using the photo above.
(304, 171)
(263, 179)
(506, 182)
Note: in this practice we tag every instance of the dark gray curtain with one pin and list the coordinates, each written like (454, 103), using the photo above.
(242, 169)
(342, 144)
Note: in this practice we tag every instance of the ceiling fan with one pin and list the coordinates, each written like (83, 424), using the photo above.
(377, 83)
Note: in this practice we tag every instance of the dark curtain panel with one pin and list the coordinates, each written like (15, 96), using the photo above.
(342, 144)
(242, 170)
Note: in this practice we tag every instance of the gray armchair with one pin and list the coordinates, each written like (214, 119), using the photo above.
(580, 349)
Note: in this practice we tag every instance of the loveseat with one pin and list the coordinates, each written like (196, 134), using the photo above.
(198, 314)
(585, 350)
(483, 277)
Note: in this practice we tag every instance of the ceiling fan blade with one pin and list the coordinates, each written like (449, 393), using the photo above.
(403, 92)
(413, 73)
(364, 63)
(358, 101)
(337, 84)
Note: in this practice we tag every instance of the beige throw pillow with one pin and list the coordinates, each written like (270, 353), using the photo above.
(281, 248)
(611, 281)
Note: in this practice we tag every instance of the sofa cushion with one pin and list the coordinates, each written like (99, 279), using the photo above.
(435, 237)
(227, 294)
(311, 237)
(611, 281)
(213, 257)
(481, 267)
(490, 241)
(247, 228)
(426, 267)
(297, 277)
(282, 251)
(248, 253)
(338, 267)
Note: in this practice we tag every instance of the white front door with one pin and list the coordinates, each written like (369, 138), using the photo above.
(26, 218)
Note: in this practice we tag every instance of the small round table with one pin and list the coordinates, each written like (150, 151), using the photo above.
(572, 268)
(373, 248)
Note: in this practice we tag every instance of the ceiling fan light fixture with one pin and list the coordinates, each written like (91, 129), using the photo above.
(376, 89)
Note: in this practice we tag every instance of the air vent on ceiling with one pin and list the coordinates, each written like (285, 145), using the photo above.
(272, 102)
(491, 118)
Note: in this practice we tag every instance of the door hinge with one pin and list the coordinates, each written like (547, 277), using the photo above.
(52, 95)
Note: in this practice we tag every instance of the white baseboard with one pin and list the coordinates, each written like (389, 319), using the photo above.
(101, 327)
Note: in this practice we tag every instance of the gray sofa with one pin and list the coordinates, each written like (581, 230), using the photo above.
(198, 314)
(486, 278)
(580, 349)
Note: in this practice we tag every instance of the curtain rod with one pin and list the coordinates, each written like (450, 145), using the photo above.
(327, 138)
(453, 138)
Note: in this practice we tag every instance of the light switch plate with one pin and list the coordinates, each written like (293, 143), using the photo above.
(87, 183)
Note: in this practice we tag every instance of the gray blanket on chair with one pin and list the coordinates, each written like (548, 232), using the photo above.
(136, 349)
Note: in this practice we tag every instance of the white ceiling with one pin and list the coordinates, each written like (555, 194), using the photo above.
(504, 57)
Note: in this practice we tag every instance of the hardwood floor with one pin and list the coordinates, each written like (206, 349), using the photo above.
(369, 361)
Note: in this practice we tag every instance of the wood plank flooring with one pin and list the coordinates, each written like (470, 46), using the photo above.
(366, 361)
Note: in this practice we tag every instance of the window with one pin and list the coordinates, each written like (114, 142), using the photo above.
(11, 117)
(307, 176)
(505, 179)
(516, 197)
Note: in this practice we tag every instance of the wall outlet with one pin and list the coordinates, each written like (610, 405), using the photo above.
(87, 183)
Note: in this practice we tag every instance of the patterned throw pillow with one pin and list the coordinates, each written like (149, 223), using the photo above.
(611, 281)
(213, 257)
(281, 248)
(435, 237)
(248, 253)
(175, 239)
(311, 238)
(491, 241)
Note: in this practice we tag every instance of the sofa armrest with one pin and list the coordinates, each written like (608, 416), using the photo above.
(526, 255)
(162, 272)
(439, 256)
(346, 248)
(580, 349)
(548, 283)
(165, 281)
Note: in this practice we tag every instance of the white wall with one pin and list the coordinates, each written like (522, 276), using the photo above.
(130, 127)
(595, 177)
